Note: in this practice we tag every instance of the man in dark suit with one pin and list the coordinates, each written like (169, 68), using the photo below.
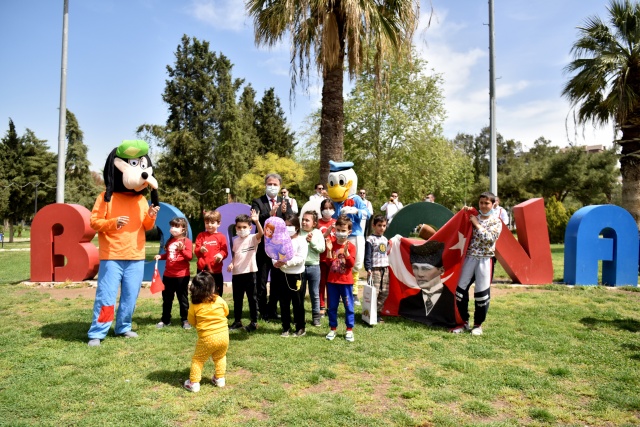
(268, 205)
(435, 303)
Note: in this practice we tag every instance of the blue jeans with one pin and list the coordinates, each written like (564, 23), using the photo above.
(311, 279)
(335, 293)
(114, 274)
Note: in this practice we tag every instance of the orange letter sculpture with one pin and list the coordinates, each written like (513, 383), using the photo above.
(528, 259)
(60, 231)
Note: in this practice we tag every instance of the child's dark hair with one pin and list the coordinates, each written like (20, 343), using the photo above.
(244, 218)
(324, 202)
(314, 216)
(179, 221)
(293, 219)
(378, 219)
(344, 220)
(212, 216)
(202, 288)
(488, 195)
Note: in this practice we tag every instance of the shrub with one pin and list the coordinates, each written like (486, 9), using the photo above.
(557, 219)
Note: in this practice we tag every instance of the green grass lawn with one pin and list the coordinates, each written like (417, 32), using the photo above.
(550, 355)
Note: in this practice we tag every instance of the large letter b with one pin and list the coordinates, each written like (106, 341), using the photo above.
(60, 231)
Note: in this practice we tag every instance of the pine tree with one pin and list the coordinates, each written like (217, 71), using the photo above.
(207, 142)
(271, 125)
(28, 167)
(79, 187)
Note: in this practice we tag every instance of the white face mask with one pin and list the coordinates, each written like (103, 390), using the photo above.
(272, 190)
(327, 213)
(342, 236)
(243, 233)
(175, 231)
(291, 230)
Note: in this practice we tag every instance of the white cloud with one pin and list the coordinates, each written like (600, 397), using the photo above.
(505, 90)
(221, 14)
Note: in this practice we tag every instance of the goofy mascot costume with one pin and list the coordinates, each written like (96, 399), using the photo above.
(342, 188)
(121, 215)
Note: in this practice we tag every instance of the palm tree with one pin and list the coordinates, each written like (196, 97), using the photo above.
(328, 32)
(606, 86)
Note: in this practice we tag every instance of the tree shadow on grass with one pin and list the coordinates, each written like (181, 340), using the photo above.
(625, 324)
(66, 331)
(175, 378)
(633, 347)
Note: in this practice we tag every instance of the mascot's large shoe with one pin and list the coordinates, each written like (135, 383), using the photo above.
(342, 188)
(121, 215)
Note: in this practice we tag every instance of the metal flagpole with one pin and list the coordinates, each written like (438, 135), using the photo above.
(62, 121)
(493, 151)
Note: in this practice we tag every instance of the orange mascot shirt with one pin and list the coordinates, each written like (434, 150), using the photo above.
(126, 243)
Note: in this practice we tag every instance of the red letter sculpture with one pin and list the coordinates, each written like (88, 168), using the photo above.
(62, 231)
(528, 259)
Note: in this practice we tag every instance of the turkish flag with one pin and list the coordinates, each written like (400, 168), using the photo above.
(156, 282)
(406, 297)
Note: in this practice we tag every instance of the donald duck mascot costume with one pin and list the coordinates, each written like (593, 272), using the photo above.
(342, 188)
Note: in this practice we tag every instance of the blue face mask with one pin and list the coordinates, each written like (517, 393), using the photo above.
(490, 213)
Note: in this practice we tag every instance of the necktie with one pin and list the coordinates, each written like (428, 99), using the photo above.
(428, 304)
(273, 203)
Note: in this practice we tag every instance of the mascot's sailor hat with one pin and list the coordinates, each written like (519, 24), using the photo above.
(339, 166)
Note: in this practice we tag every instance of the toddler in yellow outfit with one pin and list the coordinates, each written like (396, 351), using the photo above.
(208, 314)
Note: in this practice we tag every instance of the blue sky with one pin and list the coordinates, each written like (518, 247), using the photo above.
(119, 50)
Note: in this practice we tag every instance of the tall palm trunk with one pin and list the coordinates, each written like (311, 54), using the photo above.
(331, 120)
(630, 167)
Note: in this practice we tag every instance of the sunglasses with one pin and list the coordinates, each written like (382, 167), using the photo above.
(363, 193)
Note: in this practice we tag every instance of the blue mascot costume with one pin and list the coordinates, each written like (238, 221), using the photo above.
(121, 215)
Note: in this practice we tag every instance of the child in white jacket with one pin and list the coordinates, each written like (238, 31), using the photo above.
(288, 276)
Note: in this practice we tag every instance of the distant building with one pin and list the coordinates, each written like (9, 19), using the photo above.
(588, 148)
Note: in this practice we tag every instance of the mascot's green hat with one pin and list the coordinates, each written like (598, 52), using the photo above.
(132, 149)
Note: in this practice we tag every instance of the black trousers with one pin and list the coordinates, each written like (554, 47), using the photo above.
(180, 287)
(218, 280)
(268, 309)
(244, 284)
(289, 296)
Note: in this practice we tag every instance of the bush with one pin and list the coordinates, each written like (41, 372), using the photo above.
(557, 219)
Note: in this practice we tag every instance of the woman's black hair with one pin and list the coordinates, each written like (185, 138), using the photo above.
(202, 288)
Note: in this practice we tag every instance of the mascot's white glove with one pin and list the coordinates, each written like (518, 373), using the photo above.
(349, 210)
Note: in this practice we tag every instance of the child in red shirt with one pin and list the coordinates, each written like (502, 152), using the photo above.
(325, 224)
(341, 257)
(211, 248)
(178, 254)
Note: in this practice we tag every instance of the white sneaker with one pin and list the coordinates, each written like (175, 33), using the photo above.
(349, 336)
(331, 335)
(477, 330)
(461, 328)
(161, 325)
(218, 382)
(194, 387)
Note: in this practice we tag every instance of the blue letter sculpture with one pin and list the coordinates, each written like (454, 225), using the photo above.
(618, 247)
